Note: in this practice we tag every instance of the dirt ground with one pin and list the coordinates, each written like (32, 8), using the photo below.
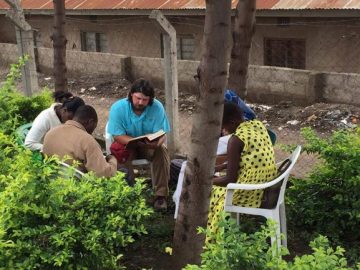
(285, 119)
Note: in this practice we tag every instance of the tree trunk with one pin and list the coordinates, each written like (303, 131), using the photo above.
(244, 29)
(59, 44)
(194, 202)
(25, 42)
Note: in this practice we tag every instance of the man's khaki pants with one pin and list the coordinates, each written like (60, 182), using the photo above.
(160, 167)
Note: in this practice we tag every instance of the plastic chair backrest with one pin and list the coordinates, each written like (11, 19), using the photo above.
(293, 158)
(108, 140)
(22, 131)
(274, 195)
(271, 194)
(272, 136)
(66, 167)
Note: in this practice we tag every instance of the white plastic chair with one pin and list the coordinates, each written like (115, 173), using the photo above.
(278, 212)
(78, 174)
(177, 193)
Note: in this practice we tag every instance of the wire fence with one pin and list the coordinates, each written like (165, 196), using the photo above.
(330, 45)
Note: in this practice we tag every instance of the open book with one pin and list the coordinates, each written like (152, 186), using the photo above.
(148, 137)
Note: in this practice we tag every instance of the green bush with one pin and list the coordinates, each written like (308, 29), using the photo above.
(328, 201)
(232, 249)
(51, 220)
(9, 150)
(15, 108)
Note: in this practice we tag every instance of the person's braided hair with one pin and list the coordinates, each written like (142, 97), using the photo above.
(61, 96)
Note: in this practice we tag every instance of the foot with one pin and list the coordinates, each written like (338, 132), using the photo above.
(160, 203)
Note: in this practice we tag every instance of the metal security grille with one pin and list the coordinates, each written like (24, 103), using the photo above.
(185, 45)
(93, 42)
(284, 53)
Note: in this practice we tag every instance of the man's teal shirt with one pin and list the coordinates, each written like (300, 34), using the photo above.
(123, 120)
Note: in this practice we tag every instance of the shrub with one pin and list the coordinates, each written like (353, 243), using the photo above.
(328, 201)
(233, 249)
(51, 220)
(15, 108)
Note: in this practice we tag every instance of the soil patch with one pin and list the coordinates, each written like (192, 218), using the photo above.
(285, 118)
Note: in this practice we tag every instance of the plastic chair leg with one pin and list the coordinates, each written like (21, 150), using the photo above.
(277, 238)
(283, 224)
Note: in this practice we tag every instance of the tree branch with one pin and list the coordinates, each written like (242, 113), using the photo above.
(16, 15)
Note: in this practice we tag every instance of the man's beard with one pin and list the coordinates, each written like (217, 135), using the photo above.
(138, 109)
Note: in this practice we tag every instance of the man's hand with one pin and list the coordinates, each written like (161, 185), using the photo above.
(147, 144)
(151, 145)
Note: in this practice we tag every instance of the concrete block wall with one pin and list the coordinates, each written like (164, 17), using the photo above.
(79, 62)
(265, 84)
(149, 68)
(153, 69)
(342, 88)
(46, 59)
(186, 71)
(272, 84)
(8, 53)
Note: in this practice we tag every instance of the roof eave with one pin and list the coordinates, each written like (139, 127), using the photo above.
(127, 12)
(201, 12)
(318, 13)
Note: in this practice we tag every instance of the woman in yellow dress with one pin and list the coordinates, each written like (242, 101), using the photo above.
(250, 160)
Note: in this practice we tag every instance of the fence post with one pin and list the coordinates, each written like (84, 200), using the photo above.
(171, 79)
(25, 44)
(25, 41)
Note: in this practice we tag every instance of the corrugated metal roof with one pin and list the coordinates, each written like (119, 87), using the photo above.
(185, 4)
(317, 4)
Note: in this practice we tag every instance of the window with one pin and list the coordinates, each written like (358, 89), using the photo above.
(93, 42)
(185, 47)
(284, 53)
(283, 21)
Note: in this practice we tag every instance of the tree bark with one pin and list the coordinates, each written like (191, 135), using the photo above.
(59, 45)
(194, 202)
(244, 29)
(25, 42)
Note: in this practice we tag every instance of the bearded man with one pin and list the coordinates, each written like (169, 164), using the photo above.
(137, 115)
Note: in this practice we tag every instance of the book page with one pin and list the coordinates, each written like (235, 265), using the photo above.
(150, 137)
(156, 135)
(137, 139)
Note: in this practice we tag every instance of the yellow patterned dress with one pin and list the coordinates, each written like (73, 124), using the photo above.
(257, 165)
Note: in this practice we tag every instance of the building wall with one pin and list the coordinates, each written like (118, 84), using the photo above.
(331, 44)
(124, 36)
(265, 84)
(8, 53)
(133, 36)
(7, 30)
